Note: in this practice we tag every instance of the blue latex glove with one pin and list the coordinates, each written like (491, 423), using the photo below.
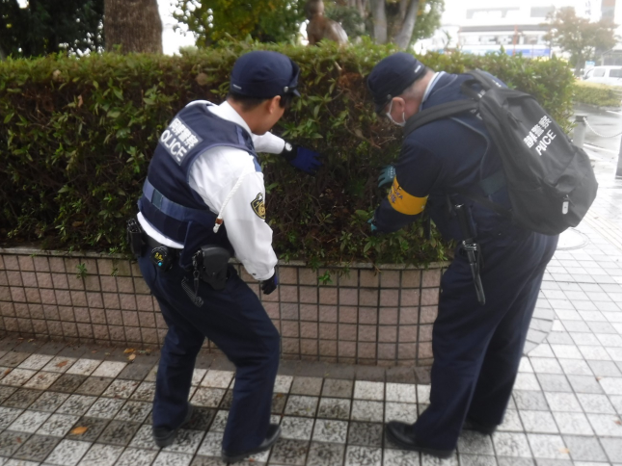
(387, 175)
(269, 285)
(302, 158)
(372, 225)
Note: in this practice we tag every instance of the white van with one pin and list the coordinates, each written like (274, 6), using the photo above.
(611, 75)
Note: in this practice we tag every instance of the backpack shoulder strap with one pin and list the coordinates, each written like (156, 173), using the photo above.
(483, 79)
(437, 112)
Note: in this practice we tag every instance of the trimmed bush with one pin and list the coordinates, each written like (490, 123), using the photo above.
(599, 95)
(77, 136)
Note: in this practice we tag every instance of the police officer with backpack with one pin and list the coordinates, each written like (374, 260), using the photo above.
(489, 292)
(204, 201)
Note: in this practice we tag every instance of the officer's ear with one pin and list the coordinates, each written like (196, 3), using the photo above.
(273, 104)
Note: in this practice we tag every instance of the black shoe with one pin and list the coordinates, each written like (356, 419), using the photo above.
(274, 432)
(486, 429)
(164, 436)
(401, 434)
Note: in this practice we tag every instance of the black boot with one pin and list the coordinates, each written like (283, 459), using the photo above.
(403, 436)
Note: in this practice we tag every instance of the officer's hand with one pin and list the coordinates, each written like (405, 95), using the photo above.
(372, 225)
(302, 158)
(387, 175)
(269, 285)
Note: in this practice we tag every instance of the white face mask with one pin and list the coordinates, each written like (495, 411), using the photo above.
(388, 114)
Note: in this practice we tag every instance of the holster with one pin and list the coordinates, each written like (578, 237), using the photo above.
(135, 237)
(211, 263)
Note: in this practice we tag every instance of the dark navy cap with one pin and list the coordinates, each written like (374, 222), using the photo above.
(391, 76)
(264, 75)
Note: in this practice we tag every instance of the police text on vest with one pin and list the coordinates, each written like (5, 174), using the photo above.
(178, 139)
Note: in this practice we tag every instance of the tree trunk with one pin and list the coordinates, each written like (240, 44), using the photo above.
(134, 25)
(402, 39)
(380, 21)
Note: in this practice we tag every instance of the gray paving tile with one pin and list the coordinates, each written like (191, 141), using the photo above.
(584, 384)
(166, 458)
(538, 421)
(136, 457)
(325, 454)
(596, 403)
(118, 433)
(337, 388)
(58, 425)
(511, 444)
(530, 400)
(298, 428)
(94, 386)
(298, 405)
(311, 386)
(560, 401)
(49, 401)
(613, 448)
(359, 456)
(573, 423)
(101, 455)
(548, 446)
(37, 448)
(22, 398)
(365, 434)
(477, 460)
(606, 425)
(330, 431)
(68, 453)
(505, 461)
(290, 452)
(474, 443)
(68, 383)
(11, 441)
(554, 383)
(94, 428)
(584, 448)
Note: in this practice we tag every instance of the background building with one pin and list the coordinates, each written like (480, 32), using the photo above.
(483, 26)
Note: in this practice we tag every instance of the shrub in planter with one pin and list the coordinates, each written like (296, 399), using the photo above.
(599, 95)
(77, 135)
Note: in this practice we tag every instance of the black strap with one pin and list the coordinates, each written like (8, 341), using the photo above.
(437, 112)
(498, 208)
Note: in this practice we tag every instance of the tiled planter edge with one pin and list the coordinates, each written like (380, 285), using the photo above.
(364, 315)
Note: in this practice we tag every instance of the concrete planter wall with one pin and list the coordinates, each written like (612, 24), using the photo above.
(365, 316)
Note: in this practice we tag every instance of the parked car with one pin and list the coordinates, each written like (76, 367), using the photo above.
(611, 75)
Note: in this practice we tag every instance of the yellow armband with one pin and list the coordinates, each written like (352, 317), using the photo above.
(405, 203)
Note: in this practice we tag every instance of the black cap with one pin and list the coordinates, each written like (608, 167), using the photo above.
(264, 75)
(391, 76)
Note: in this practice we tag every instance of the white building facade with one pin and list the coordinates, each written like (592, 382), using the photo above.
(483, 26)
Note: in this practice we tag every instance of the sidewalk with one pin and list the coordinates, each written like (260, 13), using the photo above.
(62, 405)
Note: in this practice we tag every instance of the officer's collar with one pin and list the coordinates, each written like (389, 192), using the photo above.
(227, 112)
(431, 85)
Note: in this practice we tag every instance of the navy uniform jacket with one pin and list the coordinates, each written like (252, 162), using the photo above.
(435, 160)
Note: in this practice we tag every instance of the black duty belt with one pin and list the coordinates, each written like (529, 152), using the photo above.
(161, 255)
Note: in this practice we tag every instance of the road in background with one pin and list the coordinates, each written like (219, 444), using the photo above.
(604, 146)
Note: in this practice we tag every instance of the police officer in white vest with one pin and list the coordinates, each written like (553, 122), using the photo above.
(203, 201)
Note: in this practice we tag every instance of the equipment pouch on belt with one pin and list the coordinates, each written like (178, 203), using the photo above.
(135, 237)
(210, 264)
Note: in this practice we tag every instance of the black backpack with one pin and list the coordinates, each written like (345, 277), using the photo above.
(550, 181)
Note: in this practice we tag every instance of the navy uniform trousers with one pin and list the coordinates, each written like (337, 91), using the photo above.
(233, 319)
(477, 349)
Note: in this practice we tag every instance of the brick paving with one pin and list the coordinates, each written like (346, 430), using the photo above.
(86, 405)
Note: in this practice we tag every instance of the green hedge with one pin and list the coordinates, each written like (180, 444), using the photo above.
(600, 95)
(77, 136)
